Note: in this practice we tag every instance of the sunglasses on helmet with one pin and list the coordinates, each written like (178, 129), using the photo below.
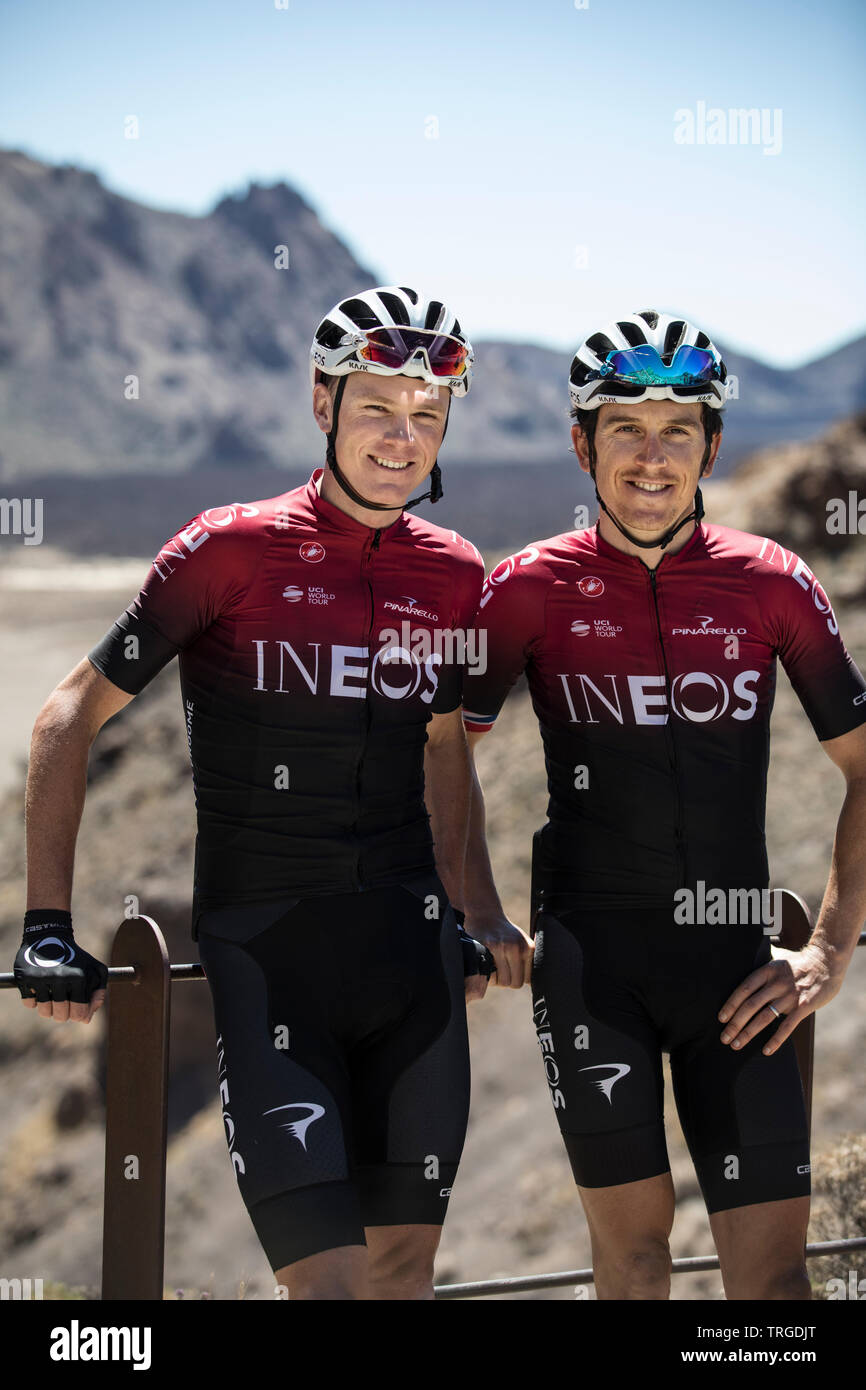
(644, 366)
(395, 347)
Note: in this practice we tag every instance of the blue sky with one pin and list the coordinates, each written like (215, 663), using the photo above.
(518, 159)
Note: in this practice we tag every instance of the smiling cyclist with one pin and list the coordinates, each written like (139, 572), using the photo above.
(650, 643)
(332, 785)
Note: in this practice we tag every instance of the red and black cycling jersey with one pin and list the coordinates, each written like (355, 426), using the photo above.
(312, 655)
(653, 691)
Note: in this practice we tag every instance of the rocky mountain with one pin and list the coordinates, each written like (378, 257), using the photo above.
(135, 341)
(810, 497)
(98, 289)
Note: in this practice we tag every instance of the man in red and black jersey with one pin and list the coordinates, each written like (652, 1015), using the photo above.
(650, 642)
(320, 636)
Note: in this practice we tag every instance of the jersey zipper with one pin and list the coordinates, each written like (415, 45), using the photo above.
(367, 715)
(670, 739)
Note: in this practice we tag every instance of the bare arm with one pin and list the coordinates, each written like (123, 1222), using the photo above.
(446, 792)
(485, 916)
(480, 890)
(799, 982)
(64, 731)
(843, 909)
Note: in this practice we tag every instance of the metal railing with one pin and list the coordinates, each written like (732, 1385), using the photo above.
(136, 1110)
(693, 1264)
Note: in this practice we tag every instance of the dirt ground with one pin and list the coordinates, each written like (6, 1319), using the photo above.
(514, 1209)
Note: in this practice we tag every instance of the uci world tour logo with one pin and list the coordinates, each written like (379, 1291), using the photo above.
(300, 1126)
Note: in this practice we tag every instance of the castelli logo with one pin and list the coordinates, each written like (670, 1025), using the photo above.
(591, 587)
(312, 552)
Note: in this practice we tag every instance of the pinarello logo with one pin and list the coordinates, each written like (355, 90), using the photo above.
(312, 552)
(293, 593)
(591, 587)
(580, 627)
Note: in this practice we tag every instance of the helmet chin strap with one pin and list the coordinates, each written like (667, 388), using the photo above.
(436, 489)
(665, 539)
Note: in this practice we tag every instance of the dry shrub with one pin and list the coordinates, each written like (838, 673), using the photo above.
(839, 1178)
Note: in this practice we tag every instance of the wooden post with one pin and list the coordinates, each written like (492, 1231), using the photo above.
(133, 1238)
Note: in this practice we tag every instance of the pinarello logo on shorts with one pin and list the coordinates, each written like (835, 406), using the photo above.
(591, 587)
(312, 552)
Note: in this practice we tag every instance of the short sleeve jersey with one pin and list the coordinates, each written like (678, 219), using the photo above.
(313, 651)
(653, 692)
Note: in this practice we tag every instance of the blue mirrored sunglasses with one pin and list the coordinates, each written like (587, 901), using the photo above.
(690, 366)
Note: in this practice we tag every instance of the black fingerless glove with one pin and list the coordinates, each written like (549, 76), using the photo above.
(50, 965)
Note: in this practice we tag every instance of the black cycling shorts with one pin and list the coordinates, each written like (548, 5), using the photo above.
(343, 1061)
(611, 992)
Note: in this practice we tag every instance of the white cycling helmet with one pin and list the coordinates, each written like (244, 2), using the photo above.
(393, 331)
(646, 356)
(390, 331)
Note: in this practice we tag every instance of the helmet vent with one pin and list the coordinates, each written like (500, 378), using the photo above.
(330, 334)
(633, 335)
(360, 313)
(600, 344)
(673, 337)
(395, 306)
